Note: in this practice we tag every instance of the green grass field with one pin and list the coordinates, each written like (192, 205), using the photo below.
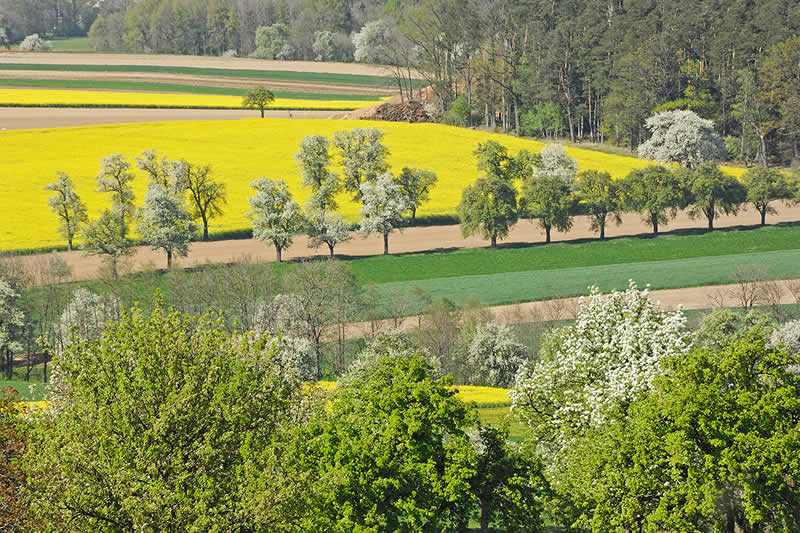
(69, 44)
(474, 261)
(317, 77)
(171, 88)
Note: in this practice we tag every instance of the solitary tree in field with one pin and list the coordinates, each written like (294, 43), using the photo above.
(549, 199)
(114, 177)
(363, 157)
(165, 224)
(105, 236)
(714, 193)
(329, 229)
(764, 186)
(682, 137)
(206, 196)
(383, 207)
(416, 185)
(600, 195)
(488, 207)
(275, 215)
(68, 206)
(258, 98)
(654, 192)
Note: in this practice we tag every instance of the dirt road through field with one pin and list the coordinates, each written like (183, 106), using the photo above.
(18, 118)
(409, 240)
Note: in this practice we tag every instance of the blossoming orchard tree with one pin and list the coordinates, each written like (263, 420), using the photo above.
(607, 359)
(383, 207)
(275, 215)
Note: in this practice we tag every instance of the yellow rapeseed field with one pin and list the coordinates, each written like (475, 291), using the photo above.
(77, 98)
(482, 396)
(238, 151)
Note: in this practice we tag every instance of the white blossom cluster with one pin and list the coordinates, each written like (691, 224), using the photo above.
(787, 337)
(11, 317)
(495, 356)
(682, 137)
(297, 354)
(383, 205)
(85, 317)
(600, 364)
(556, 162)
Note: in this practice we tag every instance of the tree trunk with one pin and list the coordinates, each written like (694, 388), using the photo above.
(205, 228)
(386, 243)
(516, 113)
(494, 241)
(711, 221)
(654, 222)
(169, 259)
(330, 247)
(69, 244)
(484, 518)
(413, 213)
(602, 230)
(262, 112)
(763, 154)
(763, 212)
(547, 234)
(278, 253)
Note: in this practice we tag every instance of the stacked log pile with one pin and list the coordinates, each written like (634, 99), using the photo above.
(405, 112)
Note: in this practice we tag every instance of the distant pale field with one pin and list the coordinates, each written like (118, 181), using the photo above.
(239, 151)
(43, 97)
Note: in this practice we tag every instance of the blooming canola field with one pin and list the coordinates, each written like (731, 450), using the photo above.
(77, 98)
(238, 151)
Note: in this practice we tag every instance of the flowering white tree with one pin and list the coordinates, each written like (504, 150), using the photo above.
(11, 317)
(275, 215)
(383, 207)
(495, 355)
(85, 317)
(607, 359)
(682, 137)
(329, 229)
(165, 223)
(295, 354)
(34, 43)
(786, 337)
(115, 178)
(555, 161)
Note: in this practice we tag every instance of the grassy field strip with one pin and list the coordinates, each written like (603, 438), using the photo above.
(174, 88)
(516, 287)
(238, 151)
(472, 261)
(77, 98)
(316, 77)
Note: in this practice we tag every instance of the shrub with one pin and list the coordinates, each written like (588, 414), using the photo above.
(34, 43)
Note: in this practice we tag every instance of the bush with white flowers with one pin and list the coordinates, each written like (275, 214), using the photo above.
(495, 355)
(34, 43)
(596, 367)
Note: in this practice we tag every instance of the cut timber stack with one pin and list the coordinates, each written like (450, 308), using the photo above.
(406, 112)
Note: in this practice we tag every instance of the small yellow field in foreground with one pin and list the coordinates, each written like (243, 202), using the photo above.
(238, 151)
(110, 98)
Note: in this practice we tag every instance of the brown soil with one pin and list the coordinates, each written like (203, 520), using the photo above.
(409, 240)
(194, 62)
(203, 81)
(13, 118)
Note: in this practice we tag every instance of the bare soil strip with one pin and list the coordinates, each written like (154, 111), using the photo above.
(415, 239)
(687, 299)
(15, 118)
(205, 81)
(194, 62)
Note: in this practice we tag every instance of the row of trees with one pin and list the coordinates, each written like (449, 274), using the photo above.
(179, 192)
(661, 429)
(384, 197)
(553, 192)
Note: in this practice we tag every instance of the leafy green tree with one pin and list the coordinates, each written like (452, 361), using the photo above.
(682, 137)
(736, 409)
(415, 184)
(494, 159)
(13, 440)
(488, 207)
(114, 178)
(714, 193)
(601, 196)
(165, 224)
(206, 196)
(363, 157)
(258, 98)
(105, 236)
(68, 206)
(148, 430)
(275, 215)
(550, 200)
(270, 39)
(383, 207)
(389, 453)
(765, 186)
(722, 327)
(655, 192)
